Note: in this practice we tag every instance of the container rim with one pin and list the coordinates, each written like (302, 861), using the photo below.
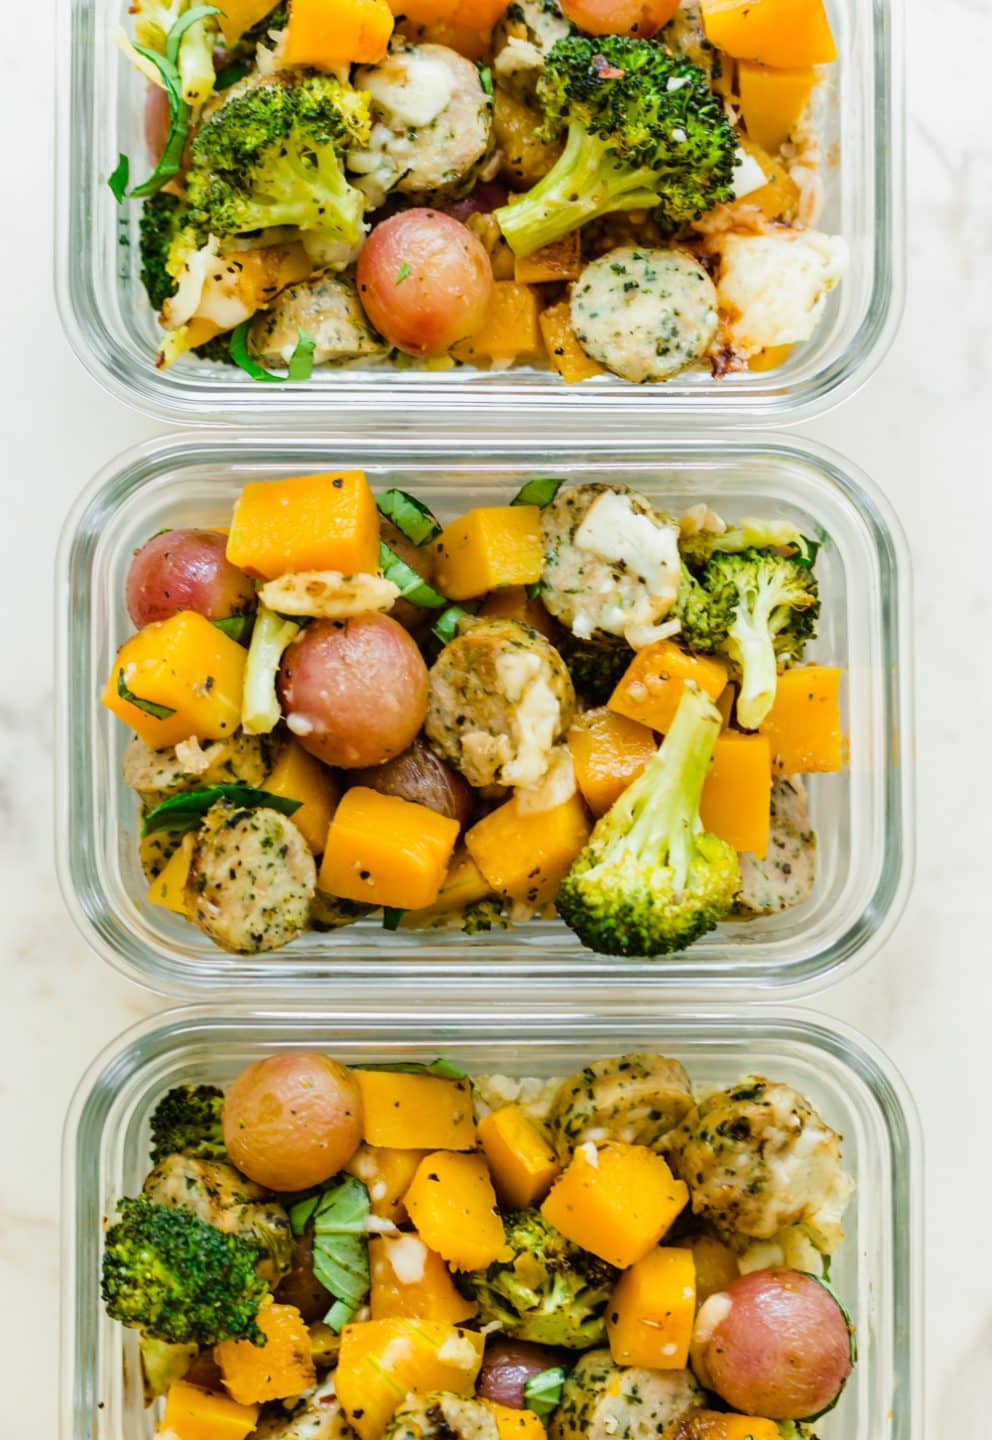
(805, 975)
(485, 409)
(875, 1071)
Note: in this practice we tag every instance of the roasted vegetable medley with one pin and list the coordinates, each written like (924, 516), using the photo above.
(572, 701)
(590, 186)
(394, 1251)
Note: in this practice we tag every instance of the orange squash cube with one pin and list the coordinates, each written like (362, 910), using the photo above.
(772, 101)
(521, 1162)
(524, 854)
(651, 687)
(409, 1279)
(771, 358)
(491, 546)
(329, 33)
(513, 603)
(238, 16)
(280, 1368)
(306, 522)
(464, 884)
(608, 752)
(716, 1264)
(737, 796)
(386, 1172)
(297, 775)
(517, 1424)
(783, 33)
(386, 851)
(803, 725)
(452, 1203)
(184, 665)
(650, 1314)
(778, 198)
(192, 1413)
(716, 1425)
(616, 1200)
(381, 1361)
(562, 344)
(168, 889)
(559, 261)
(422, 1111)
(511, 332)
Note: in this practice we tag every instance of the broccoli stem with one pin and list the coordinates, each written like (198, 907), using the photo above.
(584, 182)
(196, 62)
(260, 710)
(750, 644)
(667, 795)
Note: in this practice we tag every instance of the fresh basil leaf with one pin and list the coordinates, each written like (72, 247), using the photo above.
(300, 1214)
(538, 492)
(184, 812)
(534, 589)
(410, 516)
(402, 273)
(186, 21)
(341, 1241)
(339, 1315)
(445, 627)
(236, 627)
(230, 75)
(159, 712)
(180, 114)
(407, 581)
(826, 1268)
(807, 552)
(120, 179)
(391, 917)
(542, 1393)
(301, 360)
(486, 79)
(440, 1068)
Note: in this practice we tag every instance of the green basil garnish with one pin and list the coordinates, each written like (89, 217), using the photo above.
(410, 516)
(391, 917)
(445, 627)
(300, 364)
(236, 627)
(181, 813)
(538, 492)
(542, 1393)
(410, 585)
(440, 1068)
(120, 179)
(159, 712)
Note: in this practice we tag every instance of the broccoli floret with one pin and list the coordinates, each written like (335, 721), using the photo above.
(651, 880)
(644, 131)
(596, 669)
(271, 155)
(160, 227)
(747, 534)
(484, 915)
(153, 19)
(187, 1121)
(173, 1276)
(757, 607)
(549, 1290)
(277, 19)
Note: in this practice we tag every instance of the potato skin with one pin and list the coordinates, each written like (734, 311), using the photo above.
(508, 1365)
(424, 778)
(354, 692)
(420, 558)
(301, 1286)
(186, 570)
(774, 1343)
(293, 1120)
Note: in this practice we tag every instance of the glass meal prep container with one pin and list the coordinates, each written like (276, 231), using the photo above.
(862, 815)
(112, 326)
(876, 1271)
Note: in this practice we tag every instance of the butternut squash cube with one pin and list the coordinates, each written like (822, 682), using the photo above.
(491, 546)
(716, 1264)
(778, 198)
(522, 1163)
(513, 603)
(785, 33)
(386, 1172)
(463, 885)
(511, 332)
(238, 16)
(282, 1367)
(562, 344)
(297, 775)
(716, 1425)
(168, 889)
(517, 1424)
(616, 1200)
(771, 358)
(608, 752)
(452, 1203)
(183, 665)
(329, 33)
(803, 725)
(306, 522)
(410, 1279)
(772, 101)
(386, 851)
(650, 1314)
(192, 1413)
(381, 1361)
(737, 796)
(651, 687)
(524, 854)
(422, 1111)
(559, 261)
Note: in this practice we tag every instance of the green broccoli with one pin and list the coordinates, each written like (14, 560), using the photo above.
(187, 1121)
(757, 607)
(483, 916)
(170, 1274)
(161, 228)
(595, 669)
(650, 879)
(644, 131)
(748, 534)
(153, 19)
(549, 1290)
(271, 155)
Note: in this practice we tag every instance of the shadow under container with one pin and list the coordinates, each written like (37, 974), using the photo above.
(876, 1272)
(112, 327)
(863, 816)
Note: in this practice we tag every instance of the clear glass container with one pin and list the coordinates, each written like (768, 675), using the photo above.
(863, 816)
(876, 1272)
(112, 328)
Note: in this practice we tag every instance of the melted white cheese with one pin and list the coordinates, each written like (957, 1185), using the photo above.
(407, 1256)
(416, 99)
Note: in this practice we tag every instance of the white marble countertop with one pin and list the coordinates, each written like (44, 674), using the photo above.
(919, 428)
